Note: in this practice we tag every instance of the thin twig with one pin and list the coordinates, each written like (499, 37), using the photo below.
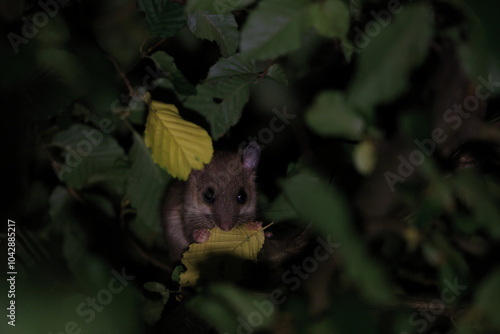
(124, 77)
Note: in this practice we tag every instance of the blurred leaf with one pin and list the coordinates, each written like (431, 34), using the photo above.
(166, 63)
(219, 28)
(101, 89)
(119, 30)
(65, 66)
(452, 256)
(38, 86)
(146, 184)
(112, 181)
(473, 190)
(69, 219)
(55, 33)
(330, 18)
(164, 18)
(230, 309)
(148, 234)
(63, 214)
(214, 312)
(102, 203)
(487, 296)
(326, 209)
(480, 52)
(176, 144)
(222, 96)
(63, 308)
(277, 73)
(152, 311)
(158, 288)
(87, 151)
(155, 287)
(280, 210)
(351, 315)
(274, 28)
(216, 7)
(331, 115)
(365, 157)
(386, 62)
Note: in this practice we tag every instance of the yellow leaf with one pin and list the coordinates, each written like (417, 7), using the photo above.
(365, 157)
(241, 241)
(176, 144)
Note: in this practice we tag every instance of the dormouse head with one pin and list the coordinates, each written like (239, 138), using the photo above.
(223, 193)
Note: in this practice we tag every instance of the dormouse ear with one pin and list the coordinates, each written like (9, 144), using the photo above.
(251, 155)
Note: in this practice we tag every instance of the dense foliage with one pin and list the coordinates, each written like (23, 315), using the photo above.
(379, 127)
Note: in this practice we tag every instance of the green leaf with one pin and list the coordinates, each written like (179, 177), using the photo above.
(88, 151)
(386, 62)
(232, 66)
(112, 181)
(221, 103)
(69, 219)
(65, 66)
(102, 93)
(158, 288)
(487, 297)
(216, 7)
(277, 73)
(326, 208)
(155, 287)
(221, 28)
(164, 18)
(168, 85)
(473, 191)
(225, 307)
(222, 96)
(152, 311)
(330, 18)
(178, 270)
(331, 115)
(275, 28)
(166, 63)
(146, 184)
(480, 52)
(66, 222)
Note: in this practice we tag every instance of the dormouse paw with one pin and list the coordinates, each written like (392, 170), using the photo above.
(201, 235)
(255, 225)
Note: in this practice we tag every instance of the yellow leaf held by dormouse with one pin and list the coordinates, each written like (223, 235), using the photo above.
(241, 241)
(176, 144)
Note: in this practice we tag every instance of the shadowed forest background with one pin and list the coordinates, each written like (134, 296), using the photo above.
(379, 128)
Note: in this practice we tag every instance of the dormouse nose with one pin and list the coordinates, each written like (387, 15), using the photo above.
(226, 225)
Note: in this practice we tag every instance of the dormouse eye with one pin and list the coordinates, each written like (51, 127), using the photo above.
(209, 195)
(242, 196)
